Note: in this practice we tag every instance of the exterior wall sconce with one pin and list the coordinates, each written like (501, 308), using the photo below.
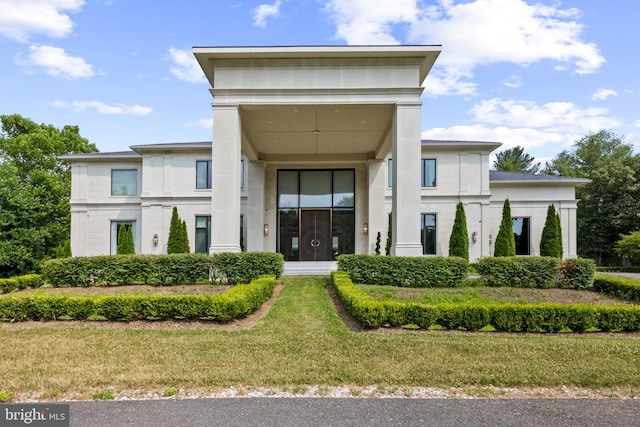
(365, 229)
(265, 230)
(155, 240)
(474, 236)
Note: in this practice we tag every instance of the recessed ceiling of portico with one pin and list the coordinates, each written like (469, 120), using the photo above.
(279, 130)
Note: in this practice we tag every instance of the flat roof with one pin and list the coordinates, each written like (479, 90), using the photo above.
(527, 178)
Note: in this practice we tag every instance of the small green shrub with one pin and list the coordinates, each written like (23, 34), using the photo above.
(103, 395)
(505, 245)
(576, 273)
(5, 396)
(459, 239)
(170, 391)
(551, 239)
(20, 282)
(519, 272)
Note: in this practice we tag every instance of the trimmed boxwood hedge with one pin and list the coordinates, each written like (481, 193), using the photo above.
(20, 282)
(416, 272)
(237, 302)
(621, 287)
(506, 317)
(175, 269)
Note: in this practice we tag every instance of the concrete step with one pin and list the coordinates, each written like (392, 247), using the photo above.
(309, 268)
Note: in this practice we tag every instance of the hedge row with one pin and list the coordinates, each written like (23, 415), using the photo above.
(237, 302)
(20, 282)
(503, 317)
(621, 287)
(627, 269)
(419, 272)
(536, 272)
(175, 269)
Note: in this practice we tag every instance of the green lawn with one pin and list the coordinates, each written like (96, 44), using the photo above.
(302, 341)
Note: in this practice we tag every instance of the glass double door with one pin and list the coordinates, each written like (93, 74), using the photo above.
(315, 235)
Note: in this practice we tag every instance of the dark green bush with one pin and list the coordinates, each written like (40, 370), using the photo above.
(576, 273)
(506, 317)
(621, 287)
(404, 271)
(20, 282)
(459, 240)
(627, 269)
(237, 302)
(519, 272)
(243, 267)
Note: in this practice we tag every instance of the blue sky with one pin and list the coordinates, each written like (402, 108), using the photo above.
(539, 74)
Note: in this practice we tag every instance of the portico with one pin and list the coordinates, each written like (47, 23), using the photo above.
(315, 125)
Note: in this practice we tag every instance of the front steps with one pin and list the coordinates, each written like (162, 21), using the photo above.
(309, 268)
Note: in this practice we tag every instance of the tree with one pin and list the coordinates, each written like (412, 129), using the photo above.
(629, 247)
(34, 191)
(459, 240)
(515, 160)
(63, 250)
(551, 240)
(610, 204)
(505, 241)
(125, 241)
(174, 242)
(378, 238)
(184, 239)
(387, 247)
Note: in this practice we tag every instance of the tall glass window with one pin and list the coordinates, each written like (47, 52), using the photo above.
(428, 175)
(315, 189)
(115, 230)
(521, 234)
(124, 182)
(203, 174)
(203, 234)
(390, 173)
(428, 233)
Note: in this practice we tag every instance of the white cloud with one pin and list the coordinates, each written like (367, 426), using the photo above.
(104, 109)
(202, 123)
(473, 33)
(362, 22)
(555, 125)
(21, 18)
(602, 94)
(513, 82)
(264, 11)
(185, 67)
(56, 62)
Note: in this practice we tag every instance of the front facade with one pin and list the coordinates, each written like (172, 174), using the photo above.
(312, 148)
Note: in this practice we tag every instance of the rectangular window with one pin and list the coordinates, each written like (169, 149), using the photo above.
(428, 233)
(521, 234)
(242, 174)
(115, 230)
(390, 173)
(124, 182)
(203, 234)
(428, 177)
(203, 174)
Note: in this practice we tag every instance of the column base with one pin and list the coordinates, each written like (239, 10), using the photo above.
(216, 249)
(406, 249)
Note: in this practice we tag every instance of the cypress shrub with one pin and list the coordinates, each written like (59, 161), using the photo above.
(551, 240)
(177, 234)
(459, 240)
(125, 241)
(387, 248)
(505, 241)
(184, 238)
(378, 244)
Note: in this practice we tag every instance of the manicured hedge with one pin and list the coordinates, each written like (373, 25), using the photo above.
(416, 272)
(627, 269)
(20, 282)
(237, 302)
(502, 317)
(175, 269)
(621, 287)
(536, 272)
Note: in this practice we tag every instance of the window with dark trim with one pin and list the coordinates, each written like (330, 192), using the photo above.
(521, 229)
(203, 174)
(203, 234)
(428, 233)
(428, 173)
(390, 173)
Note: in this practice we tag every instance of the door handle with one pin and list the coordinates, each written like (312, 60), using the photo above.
(314, 243)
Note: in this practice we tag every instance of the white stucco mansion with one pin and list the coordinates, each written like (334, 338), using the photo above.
(312, 148)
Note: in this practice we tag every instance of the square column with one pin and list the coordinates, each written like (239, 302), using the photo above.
(225, 179)
(406, 152)
(255, 206)
(377, 217)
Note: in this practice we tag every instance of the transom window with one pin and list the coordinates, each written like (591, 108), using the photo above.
(124, 182)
